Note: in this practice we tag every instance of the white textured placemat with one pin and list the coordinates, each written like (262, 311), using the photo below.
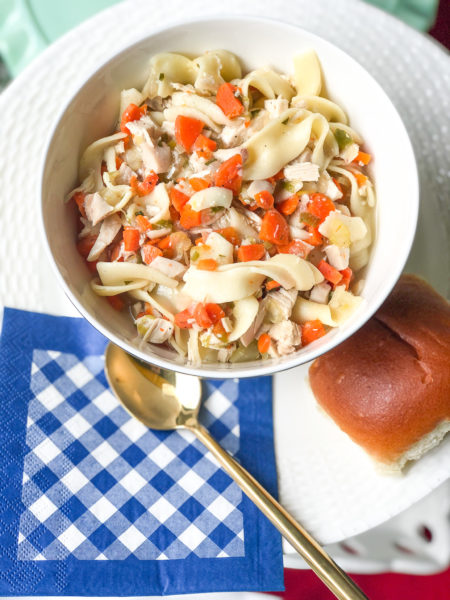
(325, 480)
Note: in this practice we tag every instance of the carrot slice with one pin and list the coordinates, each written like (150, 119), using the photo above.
(251, 252)
(263, 343)
(320, 206)
(149, 252)
(190, 218)
(207, 264)
(315, 238)
(131, 113)
(272, 285)
(276, 177)
(119, 161)
(311, 331)
(198, 183)
(131, 239)
(187, 130)
(79, 198)
(231, 235)
(229, 174)
(226, 100)
(329, 272)
(143, 223)
(204, 146)
(215, 312)
(296, 247)
(116, 302)
(84, 246)
(178, 198)
(184, 319)
(288, 206)
(201, 316)
(360, 178)
(143, 188)
(274, 228)
(362, 158)
(347, 275)
(264, 199)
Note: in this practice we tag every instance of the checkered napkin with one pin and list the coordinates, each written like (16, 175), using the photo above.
(94, 503)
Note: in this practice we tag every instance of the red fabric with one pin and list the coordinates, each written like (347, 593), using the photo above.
(304, 585)
(441, 28)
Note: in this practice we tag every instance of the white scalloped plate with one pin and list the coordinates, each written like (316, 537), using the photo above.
(327, 482)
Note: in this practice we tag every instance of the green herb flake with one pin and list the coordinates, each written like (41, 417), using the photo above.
(139, 212)
(195, 255)
(343, 139)
(216, 209)
(210, 161)
(164, 224)
(309, 219)
(285, 121)
(289, 186)
(161, 76)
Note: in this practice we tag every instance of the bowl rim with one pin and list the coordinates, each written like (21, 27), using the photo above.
(226, 371)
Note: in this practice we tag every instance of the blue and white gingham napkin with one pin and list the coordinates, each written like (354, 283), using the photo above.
(94, 503)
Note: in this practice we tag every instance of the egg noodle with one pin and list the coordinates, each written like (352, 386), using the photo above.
(230, 215)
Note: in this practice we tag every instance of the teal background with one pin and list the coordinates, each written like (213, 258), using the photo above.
(28, 26)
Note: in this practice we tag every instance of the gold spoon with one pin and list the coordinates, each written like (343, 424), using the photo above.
(163, 399)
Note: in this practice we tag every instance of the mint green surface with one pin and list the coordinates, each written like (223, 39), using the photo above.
(28, 26)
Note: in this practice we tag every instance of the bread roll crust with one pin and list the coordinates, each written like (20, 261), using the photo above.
(388, 386)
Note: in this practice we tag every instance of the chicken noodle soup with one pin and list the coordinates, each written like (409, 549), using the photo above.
(229, 214)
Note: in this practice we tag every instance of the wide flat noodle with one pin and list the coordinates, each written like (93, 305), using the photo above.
(244, 313)
(165, 69)
(113, 290)
(305, 310)
(330, 110)
(307, 73)
(117, 273)
(270, 84)
(204, 105)
(144, 296)
(91, 158)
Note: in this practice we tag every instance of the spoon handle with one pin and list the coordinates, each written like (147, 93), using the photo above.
(322, 564)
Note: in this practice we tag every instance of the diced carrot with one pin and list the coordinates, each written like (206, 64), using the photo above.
(276, 177)
(207, 264)
(143, 188)
(311, 331)
(119, 161)
(220, 332)
(131, 113)
(329, 272)
(165, 242)
(174, 214)
(187, 130)
(272, 285)
(116, 302)
(84, 246)
(264, 343)
(264, 199)
(92, 266)
(143, 223)
(215, 312)
(296, 247)
(178, 198)
(288, 206)
(204, 146)
(360, 178)
(198, 183)
(231, 235)
(362, 158)
(226, 100)
(114, 251)
(229, 174)
(79, 198)
(251, 252)
(274, 228)
(201, 316)
(131, 238)
(184, 319)
(190, 218)
(315, 238)
(347, 275)
(149, 252)
(320, 206)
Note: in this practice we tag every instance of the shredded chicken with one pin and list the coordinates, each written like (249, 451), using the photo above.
(337, 256)
(96, 208)
(124, 174)
(303, 171)
(171, 268)
(287, 336)
(156, 158)
(276, 107)
(251, 332)
(108, 231)
(280, 304)
(159, 331)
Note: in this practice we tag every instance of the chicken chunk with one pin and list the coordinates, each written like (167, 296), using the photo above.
(108, 231)
(124, 174)
(276, 107)
(286, 335)
(154, 329)
(96, 208)
(303, 171)
(171, 268)
(156, 158)
(280, 304)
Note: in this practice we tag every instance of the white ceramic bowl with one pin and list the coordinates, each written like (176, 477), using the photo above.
(92, 112)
